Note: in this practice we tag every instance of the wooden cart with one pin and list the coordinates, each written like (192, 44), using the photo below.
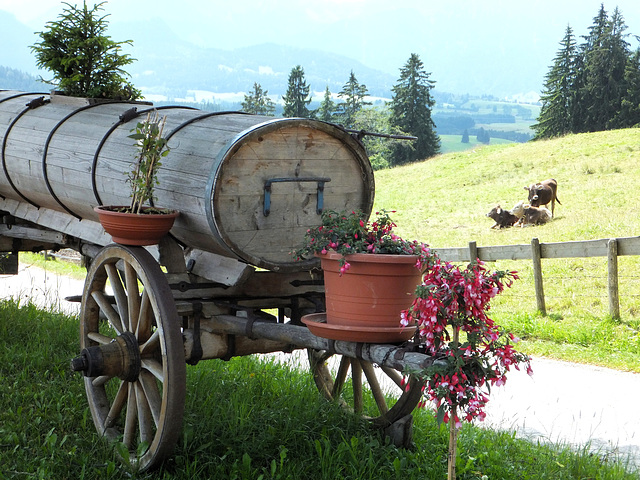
(222, 284)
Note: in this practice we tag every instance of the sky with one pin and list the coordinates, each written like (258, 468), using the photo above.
(454, 38)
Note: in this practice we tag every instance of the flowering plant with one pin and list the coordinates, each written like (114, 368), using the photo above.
(450, 309)
(349, 233)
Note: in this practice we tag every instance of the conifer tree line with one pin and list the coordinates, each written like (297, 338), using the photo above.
(408, 113)
(593, 85)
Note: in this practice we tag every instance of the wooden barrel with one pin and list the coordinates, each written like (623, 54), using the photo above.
(247, 186)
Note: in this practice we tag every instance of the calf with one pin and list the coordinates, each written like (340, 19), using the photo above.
(518, 209)
(503, 218)
(535, 216)
(543, 193)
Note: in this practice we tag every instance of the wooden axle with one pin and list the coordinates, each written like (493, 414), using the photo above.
(256, 335)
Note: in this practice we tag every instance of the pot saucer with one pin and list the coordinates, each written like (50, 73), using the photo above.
(317, 323)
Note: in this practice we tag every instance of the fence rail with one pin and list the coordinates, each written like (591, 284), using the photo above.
(611, 248)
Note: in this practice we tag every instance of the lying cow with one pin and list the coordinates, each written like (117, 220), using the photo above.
(518, 209)
(503, 218)
(535, 216)
(543, 193)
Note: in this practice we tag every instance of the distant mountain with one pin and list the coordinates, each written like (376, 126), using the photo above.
(15, 39)
(12, 79)
(165, 64)
(168, 66)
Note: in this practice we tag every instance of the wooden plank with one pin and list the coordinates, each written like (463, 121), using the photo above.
(36, 234)
(87, 230)
(581, 248)
(217, 268)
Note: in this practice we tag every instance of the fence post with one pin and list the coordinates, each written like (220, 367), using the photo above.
(473, 252)
(612, 267)
(537, 275)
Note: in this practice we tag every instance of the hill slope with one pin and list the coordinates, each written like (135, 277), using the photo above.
(443, 201)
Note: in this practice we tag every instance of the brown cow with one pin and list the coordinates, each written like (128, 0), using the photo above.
(543, 193)
(535, 216)
(503, 218)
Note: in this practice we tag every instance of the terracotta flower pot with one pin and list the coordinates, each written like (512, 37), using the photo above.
(133, 228)
(372, 292)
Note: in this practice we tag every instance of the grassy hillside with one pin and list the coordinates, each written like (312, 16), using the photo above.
(453, 143)
(443, 202)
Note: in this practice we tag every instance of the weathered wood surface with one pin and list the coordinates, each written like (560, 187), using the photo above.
(301, 337)
(215, 173)
(575, 249)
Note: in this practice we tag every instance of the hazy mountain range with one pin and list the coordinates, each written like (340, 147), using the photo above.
(495, 47)
(168, 65)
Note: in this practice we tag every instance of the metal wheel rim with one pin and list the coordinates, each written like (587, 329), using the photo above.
(148, 411)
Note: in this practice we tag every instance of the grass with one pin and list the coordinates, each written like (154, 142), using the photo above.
(52, 264)
(443, 202)
(245, 419)
(453, 143)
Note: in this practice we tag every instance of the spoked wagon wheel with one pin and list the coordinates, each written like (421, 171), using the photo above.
(382, 398)
(133, 355)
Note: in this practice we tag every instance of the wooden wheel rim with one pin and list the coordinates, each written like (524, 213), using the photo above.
(333, 386)
(146, 413)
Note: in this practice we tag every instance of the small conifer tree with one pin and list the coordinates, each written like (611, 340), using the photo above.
(85, 62)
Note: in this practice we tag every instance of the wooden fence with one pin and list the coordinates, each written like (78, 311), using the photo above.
(611, 248)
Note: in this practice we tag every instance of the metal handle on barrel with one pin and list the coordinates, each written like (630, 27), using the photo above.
(320, 183)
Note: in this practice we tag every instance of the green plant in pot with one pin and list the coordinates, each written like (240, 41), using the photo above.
(140, 223)
(370, 275)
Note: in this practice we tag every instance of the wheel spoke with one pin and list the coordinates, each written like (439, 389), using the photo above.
(99, 338)
(131, 420)
(374, 385)
(145, 316)
(393, 375)
(151, 344)
(155, 367)
(356, 382)
(101, 380)
(133, 296)
(152, 393)
(341, 377)
(108, 310)
(116, 406)
(118, 293)
(145, 418)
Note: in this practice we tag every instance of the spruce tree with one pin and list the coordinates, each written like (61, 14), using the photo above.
(410, 107)
(297, 96)
(84, 60)
(353, 94)
(629, 114)
(605, 53)
(258, 102)
(558, 95)
(327, 107)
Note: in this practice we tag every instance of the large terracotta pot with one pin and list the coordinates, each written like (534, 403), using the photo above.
(374, 290)
(133, 228)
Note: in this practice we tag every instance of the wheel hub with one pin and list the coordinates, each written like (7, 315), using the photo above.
(119, 358)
